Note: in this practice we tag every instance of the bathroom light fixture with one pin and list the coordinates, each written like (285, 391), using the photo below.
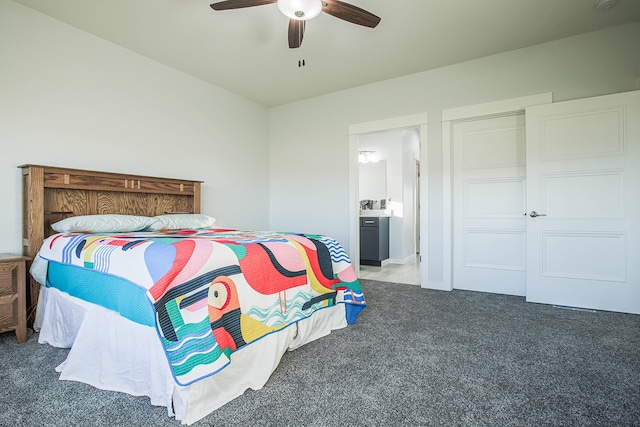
(300, 10)
(367, 156)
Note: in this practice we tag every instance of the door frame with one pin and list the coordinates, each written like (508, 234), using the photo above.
(415, 121)
(449, 118)
(416, 208)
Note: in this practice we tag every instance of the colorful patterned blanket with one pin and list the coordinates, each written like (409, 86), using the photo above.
(215, 291)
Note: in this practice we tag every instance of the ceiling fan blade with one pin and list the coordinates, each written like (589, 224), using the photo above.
(239, 4)
(350, 13)
(296, 32)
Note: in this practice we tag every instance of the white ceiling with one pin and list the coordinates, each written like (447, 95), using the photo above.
(246, 51)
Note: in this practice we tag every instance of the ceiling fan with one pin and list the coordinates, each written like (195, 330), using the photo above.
(299, 11)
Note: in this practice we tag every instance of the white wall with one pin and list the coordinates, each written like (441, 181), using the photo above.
(70, 99)
(309, 158)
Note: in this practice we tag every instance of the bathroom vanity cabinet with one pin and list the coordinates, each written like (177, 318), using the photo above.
(374, 240)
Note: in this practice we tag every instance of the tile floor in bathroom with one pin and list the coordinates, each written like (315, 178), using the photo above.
(408, 273)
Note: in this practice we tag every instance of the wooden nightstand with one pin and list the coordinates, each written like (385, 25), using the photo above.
(13, 302)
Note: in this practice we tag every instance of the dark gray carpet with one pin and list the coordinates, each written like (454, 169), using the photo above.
(415, 358)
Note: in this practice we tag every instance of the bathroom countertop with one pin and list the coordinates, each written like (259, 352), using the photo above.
(376, 212)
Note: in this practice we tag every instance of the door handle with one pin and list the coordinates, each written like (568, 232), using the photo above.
(534, 214)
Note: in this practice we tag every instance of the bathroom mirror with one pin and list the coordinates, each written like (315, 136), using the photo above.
(373, 182)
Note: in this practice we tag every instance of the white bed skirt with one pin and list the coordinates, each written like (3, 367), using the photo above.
(111, 352)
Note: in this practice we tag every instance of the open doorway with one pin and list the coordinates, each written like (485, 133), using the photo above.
(417, 122)
(389, 200)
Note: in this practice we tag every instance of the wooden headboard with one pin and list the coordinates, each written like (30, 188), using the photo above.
(50, 194)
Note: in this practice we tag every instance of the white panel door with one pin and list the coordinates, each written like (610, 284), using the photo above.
(583, 174)
(489, 202)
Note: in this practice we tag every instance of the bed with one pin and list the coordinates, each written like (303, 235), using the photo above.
(166, 304)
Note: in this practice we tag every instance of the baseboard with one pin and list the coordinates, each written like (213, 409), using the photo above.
(439, 286)
(406, 260)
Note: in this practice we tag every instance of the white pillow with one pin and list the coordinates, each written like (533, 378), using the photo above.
(181, 222)
(102, 224)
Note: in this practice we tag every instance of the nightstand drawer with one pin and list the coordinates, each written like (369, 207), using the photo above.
(8, 286)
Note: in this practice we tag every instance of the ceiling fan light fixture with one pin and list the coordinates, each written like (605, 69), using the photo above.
(300, 10)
